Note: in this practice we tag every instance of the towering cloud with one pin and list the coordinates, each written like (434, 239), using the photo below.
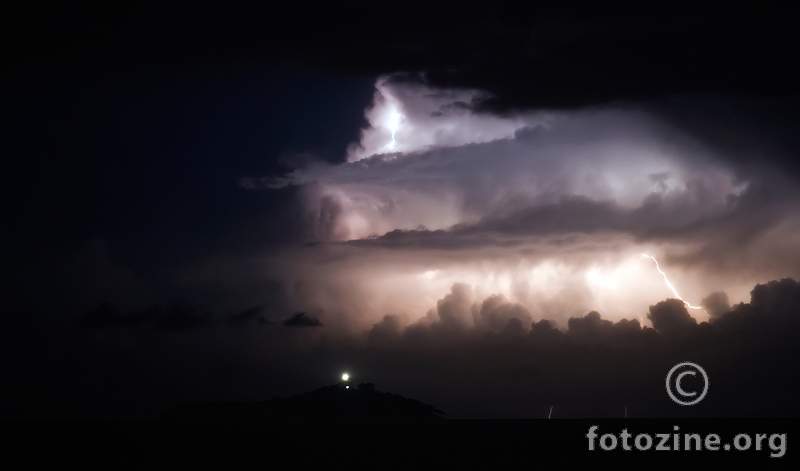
(440, 208)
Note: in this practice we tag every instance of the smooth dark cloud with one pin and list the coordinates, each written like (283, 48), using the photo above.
(182, 317)
(301, 319)
(107, 316)
(178, 317)
(748, 131)
(248, 315)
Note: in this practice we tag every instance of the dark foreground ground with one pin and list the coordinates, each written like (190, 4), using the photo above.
(377, 445)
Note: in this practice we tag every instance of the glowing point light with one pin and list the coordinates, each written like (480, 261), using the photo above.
(345, 377)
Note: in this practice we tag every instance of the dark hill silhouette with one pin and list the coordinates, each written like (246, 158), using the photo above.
(330, 403)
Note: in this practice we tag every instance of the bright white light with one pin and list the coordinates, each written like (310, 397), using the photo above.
(669, 285)
(345, 377)
(393, 124)
(347, 387)
(609, 279)
(424, 120)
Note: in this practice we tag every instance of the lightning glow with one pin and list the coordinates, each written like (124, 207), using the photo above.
(669, 285)
(443, 195)
(393, 124)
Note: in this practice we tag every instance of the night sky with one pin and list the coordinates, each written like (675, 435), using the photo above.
(495, 209)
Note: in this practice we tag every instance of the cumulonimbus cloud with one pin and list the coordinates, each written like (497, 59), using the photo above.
(549, 209)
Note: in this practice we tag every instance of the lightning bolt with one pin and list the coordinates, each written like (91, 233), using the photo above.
(669, 285)
(394, 124)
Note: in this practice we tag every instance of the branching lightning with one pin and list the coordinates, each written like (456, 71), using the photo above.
(669, 285)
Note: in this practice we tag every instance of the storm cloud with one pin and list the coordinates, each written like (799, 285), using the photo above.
(550, 209)
(538, 212)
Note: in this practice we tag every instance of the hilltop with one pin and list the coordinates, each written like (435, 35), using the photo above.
(330, 403)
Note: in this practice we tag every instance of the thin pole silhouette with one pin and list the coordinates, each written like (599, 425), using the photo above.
(551, 412)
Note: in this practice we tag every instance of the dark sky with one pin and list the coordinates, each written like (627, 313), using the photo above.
(191, 210)
(531, 54)
(149, 162)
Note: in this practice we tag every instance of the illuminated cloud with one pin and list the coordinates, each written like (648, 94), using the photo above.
(459, 167)
(408, 117)
(440, 209)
